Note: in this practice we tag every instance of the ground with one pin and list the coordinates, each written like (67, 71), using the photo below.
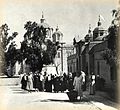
(13, 98)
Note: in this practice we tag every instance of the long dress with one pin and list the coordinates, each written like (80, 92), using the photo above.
(35, 81)
(70, 84)
(30, 82)
(78, 85)
(24, 82)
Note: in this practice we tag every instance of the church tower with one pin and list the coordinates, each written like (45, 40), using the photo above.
(99, 30)
(57, 36)
(48, 29)
(89, 36)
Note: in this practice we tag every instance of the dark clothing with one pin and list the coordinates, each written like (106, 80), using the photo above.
(70, 84)
(24, 82)
(49, 86)
(46, 85)
(40, 86)
(37, 84)
(35, 81)
(56, 84)
(62, 86)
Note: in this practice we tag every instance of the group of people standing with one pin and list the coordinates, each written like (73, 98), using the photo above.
(47, 82)
(55, 83)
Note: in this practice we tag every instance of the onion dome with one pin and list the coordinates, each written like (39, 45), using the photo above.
(57, 35)
(42, 22)
(99, 30)
(88, 37)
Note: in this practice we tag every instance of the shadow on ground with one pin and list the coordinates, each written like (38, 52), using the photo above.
(83, 101)
(18, 90)
(103, 100)
(88, 99)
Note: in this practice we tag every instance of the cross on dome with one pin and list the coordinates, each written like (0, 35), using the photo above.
(99, 21)
(42, 19)
(57, 28)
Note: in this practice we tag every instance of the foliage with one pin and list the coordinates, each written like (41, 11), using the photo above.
(112, 37)
(113, 30)
(8, 49)
(35, 49)
(110, 55)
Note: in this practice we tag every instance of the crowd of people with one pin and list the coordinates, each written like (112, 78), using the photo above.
(46, 82)
(56, 83)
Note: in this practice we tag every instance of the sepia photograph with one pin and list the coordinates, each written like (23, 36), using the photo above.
(59, 54)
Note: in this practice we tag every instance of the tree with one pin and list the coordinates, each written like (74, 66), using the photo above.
(8, 50)
(110, 55)
(35, 49)
(113, 30)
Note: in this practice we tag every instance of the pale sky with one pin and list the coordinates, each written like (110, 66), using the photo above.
(72, 16)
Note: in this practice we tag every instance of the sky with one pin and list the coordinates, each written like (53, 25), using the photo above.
(72, 16)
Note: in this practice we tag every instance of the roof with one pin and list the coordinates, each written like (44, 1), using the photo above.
(58, 33)
(45, 25)
(89, 35)
(100, 38)
(98, 47)
(84, 47)
(91, 45)
(99, 28)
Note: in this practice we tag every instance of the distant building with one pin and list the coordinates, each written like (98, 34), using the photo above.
(60, 61)
(72, 63)
(62, 53)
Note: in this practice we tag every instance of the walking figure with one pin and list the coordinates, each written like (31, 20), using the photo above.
(24, 82)
(77, 83)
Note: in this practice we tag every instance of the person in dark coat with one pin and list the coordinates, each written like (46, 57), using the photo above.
(35, 81)
(57, 84)
(46, 84)
(64, 82)
(50, 83)
(70, 82)
(40, 81)
(62, 87)
(24, 81)
(53, 82)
